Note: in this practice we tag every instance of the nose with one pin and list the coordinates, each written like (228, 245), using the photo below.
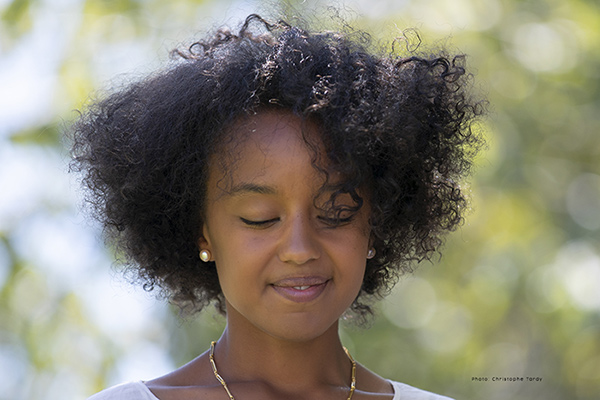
(299, 242)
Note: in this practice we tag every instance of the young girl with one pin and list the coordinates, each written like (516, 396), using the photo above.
(288, 177)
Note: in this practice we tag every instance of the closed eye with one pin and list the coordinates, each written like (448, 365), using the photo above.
(334, 222)
(262, 223)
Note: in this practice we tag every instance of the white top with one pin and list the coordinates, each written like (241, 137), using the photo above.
(139, 391)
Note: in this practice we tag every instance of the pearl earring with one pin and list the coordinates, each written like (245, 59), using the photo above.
(205, 255)
(370, 253)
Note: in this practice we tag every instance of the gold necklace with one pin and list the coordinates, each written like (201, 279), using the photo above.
(222, 381)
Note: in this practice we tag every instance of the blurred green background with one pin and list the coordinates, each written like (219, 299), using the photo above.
(516, 294)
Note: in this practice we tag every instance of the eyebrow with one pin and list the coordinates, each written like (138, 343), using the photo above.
(247, 187)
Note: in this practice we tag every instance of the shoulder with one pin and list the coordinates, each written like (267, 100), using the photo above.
(125, 391)
(406, 392)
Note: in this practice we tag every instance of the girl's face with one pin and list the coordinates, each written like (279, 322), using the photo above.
(285, 268)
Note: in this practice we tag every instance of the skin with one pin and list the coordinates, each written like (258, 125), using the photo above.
(288, 272)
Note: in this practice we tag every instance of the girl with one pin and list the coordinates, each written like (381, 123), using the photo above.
(288, 177)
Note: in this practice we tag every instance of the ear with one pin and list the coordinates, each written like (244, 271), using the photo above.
(371, 239)
(204, 242)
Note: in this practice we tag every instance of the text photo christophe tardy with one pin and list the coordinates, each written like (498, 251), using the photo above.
(506, 378)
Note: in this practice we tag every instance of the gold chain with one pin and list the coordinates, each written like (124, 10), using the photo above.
(222, 381)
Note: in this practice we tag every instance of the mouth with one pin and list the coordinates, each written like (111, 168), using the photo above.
(301, 289)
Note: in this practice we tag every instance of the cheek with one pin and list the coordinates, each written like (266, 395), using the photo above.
(358, 272)
(354, 242)
(240, 257)
(351, 252)
(357, 258)
(242, 248)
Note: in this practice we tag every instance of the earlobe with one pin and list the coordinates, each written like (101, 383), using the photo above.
(204, 246)
(370, 253)
(205, 255)
(203, 243)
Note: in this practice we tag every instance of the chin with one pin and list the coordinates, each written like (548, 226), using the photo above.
(302, 330)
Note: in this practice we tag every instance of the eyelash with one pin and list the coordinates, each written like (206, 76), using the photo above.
(258, 223)
(332, 222)
(335, 222)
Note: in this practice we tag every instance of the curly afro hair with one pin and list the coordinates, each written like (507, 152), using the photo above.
(399, 125)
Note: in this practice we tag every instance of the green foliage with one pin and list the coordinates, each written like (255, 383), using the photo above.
(16, 17)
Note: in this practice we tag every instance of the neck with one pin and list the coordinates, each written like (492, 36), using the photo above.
(284, 365)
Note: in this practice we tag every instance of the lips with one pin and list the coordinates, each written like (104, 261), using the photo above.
(301, 289)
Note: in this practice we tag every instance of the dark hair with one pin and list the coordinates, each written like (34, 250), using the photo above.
(397, 124)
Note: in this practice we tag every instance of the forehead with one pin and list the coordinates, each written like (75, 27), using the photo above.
(254, 143)
(275, 130)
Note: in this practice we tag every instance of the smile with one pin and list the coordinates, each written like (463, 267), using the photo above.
(301, 292)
